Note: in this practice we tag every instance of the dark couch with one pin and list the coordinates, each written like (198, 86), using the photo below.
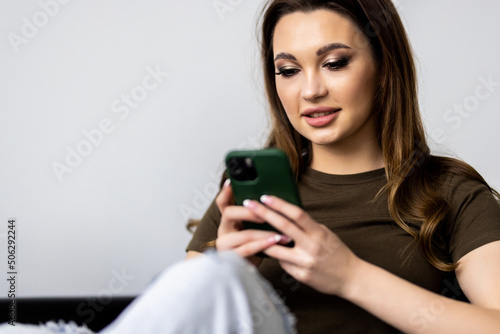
(96, 312)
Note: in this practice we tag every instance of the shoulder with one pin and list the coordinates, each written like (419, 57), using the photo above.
(463, 187)
(456, 178)
(473, 218)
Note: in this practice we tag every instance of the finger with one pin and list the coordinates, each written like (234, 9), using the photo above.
(293, 212)
(233, 215)
(299, 273)
(281, 223)
(254, 247)
(225, 197)
(240, 238)
(292, 256)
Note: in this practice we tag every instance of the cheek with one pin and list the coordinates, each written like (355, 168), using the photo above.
(281, 93)
(360, 90)
(286, 96)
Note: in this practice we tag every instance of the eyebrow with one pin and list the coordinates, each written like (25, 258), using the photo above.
(330, 47)
(321, 51)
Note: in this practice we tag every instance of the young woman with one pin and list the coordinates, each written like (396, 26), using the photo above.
(388, 233)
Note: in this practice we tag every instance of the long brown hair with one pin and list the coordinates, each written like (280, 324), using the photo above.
(414, 176)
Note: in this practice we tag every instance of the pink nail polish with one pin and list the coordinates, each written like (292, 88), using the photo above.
(285, 239)
(249, 204)
(275, 238)
(265, 199)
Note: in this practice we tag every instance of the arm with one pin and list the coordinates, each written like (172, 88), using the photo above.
(320, 260)
(416, 310)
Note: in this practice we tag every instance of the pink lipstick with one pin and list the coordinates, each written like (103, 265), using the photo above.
(320, 116)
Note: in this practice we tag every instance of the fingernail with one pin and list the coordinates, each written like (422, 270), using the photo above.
(285, 239)
(249, 204)
(275, 238)
(227, 183)
(265, 199)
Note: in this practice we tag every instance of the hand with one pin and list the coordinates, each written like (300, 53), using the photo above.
(231, 236)
(319, 258)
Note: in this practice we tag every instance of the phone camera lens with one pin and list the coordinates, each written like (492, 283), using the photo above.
(233, 166)
(242, 169)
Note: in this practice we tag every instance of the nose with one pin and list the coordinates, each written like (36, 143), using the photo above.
(313, 87)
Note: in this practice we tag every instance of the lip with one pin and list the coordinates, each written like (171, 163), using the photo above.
(322, 120)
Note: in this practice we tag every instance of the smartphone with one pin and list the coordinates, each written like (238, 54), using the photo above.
(261, 172)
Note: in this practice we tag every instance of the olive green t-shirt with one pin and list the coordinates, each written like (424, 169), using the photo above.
(345, 204)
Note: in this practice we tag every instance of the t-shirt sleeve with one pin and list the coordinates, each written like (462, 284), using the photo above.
(206, 230)
(474, 216)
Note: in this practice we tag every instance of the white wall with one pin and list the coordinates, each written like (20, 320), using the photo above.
(123, 207)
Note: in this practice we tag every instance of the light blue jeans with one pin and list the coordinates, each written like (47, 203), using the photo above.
(216, 293)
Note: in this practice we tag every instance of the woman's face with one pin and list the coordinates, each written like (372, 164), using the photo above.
(327, 78)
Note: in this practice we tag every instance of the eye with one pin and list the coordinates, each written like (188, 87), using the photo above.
(287, 72)
(337, 64)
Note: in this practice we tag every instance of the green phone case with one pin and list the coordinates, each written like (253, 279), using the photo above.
(273, 177)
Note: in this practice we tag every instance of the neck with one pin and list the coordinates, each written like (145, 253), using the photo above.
(347, 159)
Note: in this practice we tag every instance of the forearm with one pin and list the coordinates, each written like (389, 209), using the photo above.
(413, 309)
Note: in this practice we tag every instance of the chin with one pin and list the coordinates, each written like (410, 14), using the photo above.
(324, 136)
(323, 141)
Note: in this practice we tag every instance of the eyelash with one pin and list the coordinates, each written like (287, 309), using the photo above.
(331, 66)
